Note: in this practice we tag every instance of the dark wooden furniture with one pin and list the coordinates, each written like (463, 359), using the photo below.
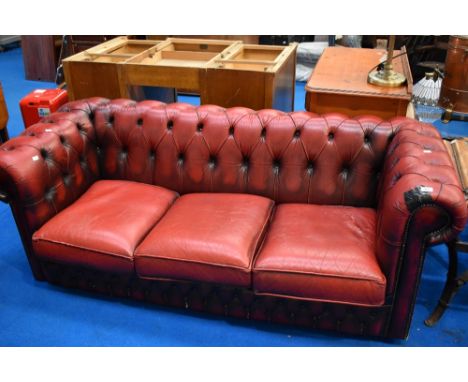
(454, 92)
(339, 84)
(458, 150)
(3, 117)
(40, 57)
(42, 54)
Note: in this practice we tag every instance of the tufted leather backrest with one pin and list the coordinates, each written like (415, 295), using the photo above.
(290, 157)
(49, 166)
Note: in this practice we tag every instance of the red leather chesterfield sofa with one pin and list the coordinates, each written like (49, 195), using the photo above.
(319, 221)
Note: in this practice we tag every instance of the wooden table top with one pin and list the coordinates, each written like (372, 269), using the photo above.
(344, 70)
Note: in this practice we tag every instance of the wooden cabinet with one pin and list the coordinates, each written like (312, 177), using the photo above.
(40, 57)
(339, 84)
(41, 54)
(223, 72)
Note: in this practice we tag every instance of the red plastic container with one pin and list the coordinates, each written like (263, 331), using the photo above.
(40, 103)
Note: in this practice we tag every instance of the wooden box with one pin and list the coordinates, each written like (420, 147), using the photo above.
(339, 84)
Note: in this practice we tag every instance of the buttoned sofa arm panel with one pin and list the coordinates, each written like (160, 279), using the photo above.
(47, 168)
(420, 203)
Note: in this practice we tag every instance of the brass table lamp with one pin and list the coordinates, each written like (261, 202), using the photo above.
(387, 77)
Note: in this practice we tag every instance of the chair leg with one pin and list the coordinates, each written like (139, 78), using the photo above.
(4, 135)
(451, 286)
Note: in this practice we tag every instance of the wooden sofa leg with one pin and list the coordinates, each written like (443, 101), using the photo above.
(451, 286)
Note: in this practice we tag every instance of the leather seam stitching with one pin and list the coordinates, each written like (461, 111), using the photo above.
(129, 258)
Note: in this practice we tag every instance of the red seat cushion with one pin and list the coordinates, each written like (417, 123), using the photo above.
(206, 237)
(103, 227)
(324, 253)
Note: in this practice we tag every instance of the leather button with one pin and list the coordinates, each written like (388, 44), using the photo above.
(200, 127)
(297, 133)
(276, 166)
(49, 194)
(310, 167)
(123, 153)
(263, 133)
(345, 172)
(44, 153)
(367, 139)
(111, 119)
(331, 136)
(231, 130)
(140, 121)
(245, 162)
(67, 179)
(170, 125)
(212, 162)
(62, 139)
(181, 158)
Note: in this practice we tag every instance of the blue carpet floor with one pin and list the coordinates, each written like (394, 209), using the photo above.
(37, 314)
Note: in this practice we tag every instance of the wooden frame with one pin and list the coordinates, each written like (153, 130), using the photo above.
(223, 72)
(175, 63)
(95, 71)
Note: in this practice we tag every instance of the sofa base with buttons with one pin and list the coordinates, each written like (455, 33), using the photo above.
(316, 221)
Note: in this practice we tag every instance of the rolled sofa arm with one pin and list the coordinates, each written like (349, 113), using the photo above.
(45, 169)
(420, 202)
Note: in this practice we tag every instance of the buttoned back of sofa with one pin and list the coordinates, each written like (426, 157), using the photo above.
(289, 157)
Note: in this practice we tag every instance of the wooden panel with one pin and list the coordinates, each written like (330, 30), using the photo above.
(39, 57)
(284, 85)
(91, 79)
(229, 88)
(246, 39)
(355, 105)
(163, 76)
(458, 150)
